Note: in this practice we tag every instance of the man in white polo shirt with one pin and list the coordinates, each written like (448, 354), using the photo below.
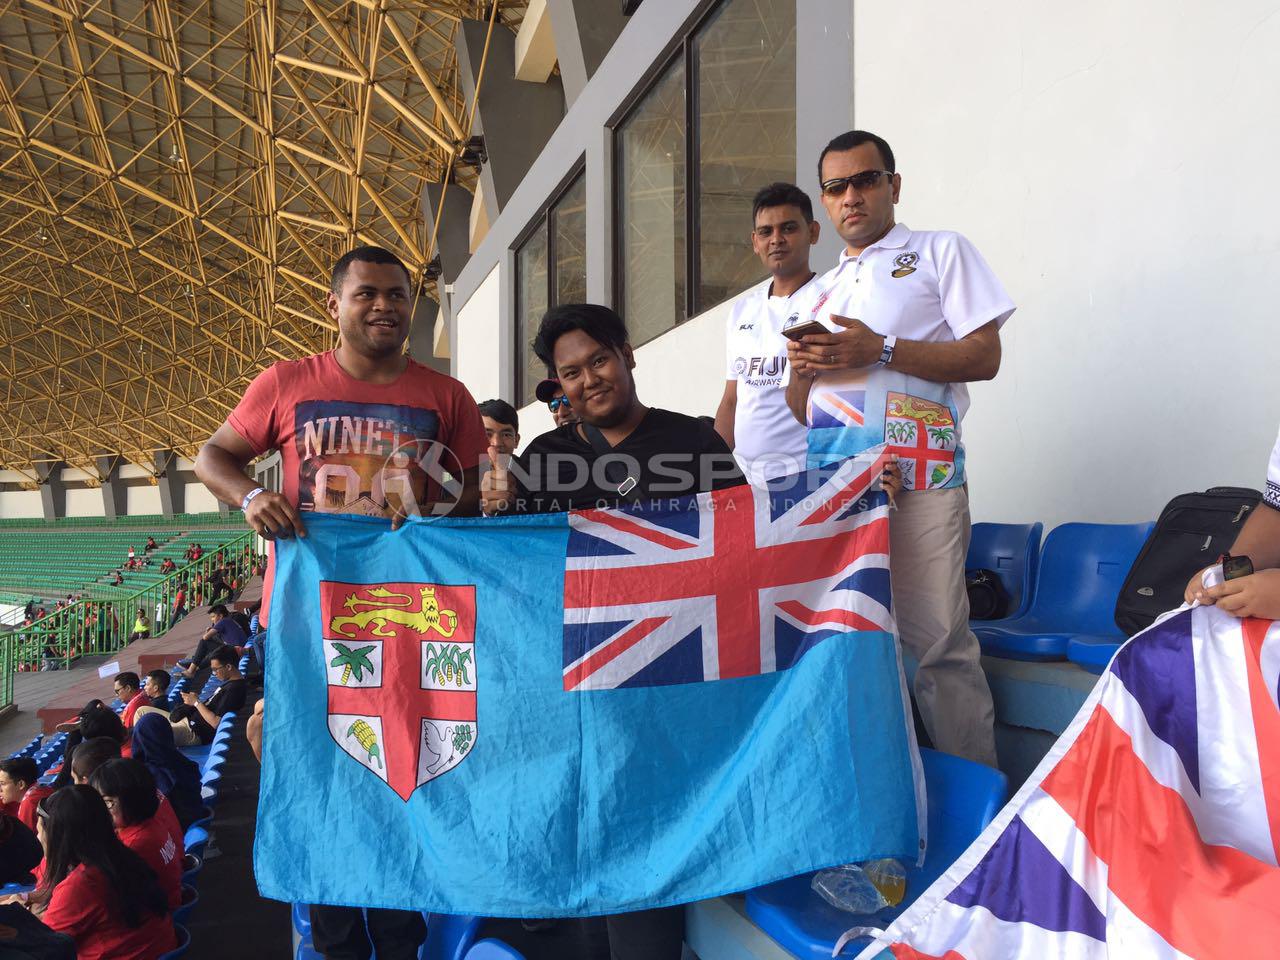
(913, 317)
(753, 417)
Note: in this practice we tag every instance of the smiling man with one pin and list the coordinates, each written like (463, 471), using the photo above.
(753, 417)
(911, 317)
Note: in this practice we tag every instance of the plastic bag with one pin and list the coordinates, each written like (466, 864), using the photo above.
(862, 888)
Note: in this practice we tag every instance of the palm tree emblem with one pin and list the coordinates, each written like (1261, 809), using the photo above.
(352, 660)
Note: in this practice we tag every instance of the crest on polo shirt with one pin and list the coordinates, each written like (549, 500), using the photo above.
(906, 264)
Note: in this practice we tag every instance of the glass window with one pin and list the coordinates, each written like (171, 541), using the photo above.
(746, 134)
(717, 124)
(651, 212)
(551, 268)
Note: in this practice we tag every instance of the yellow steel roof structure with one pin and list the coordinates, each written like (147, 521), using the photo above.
(177, 177)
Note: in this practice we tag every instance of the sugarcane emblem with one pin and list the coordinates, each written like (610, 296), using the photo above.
(357, 660)
(367, 739)
(448, 663)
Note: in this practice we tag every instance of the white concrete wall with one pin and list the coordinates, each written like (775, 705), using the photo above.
(21, 503)
(1116, 165)
(198, 499)
(84, 503)
(478, 332)
(143, 499)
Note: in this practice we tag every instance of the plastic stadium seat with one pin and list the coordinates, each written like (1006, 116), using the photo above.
(191, 865)
(450, 937)
(11, 888)
(1082, 567)
(184, 943)
(1012, 552)
(1092, 654)
(493, 950)
(963, 797)
(195, 840)
(189, 900)
(302, 920)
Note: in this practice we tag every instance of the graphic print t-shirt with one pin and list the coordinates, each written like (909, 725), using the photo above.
(1272, 494)
(348, 446)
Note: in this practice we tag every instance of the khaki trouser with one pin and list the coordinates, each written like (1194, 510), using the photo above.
(929, 537)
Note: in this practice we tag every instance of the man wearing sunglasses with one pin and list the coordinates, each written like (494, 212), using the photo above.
(551, 393)
(910, 318)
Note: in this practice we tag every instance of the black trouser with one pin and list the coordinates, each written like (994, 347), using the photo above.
(205, 649)
(339, 933)
(218, 593)
(646, 934)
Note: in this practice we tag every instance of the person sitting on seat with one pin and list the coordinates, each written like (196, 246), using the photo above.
(99, 892)
(141, 626)
(156, 687)
(223, 631)
(128, 688)
(176, 776)
(193, 722)
(168, 566)
(19, 850)
(129, 791)
(17, 776)
(90, 755)
(151, 544)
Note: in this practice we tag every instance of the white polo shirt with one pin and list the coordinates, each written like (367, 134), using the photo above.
(768, 441)
(1272, 493)
(931, 286)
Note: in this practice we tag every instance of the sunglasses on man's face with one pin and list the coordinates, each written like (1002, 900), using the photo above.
(866, 180)
(557, 403)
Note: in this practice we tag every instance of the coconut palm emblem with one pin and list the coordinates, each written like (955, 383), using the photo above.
(350, 661)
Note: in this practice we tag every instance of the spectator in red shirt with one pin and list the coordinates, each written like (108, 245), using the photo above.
(100, 893)
(129, 791)
(127, 687)
(361, 429)
(151, 543)
(179, 604)
(17, 776)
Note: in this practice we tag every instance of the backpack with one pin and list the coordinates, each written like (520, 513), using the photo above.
(1194, 529)
(988, 599)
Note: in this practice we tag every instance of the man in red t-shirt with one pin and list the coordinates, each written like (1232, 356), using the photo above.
(361, 429)
(128, 687)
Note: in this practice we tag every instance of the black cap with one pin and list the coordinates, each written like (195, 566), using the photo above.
(547, 389)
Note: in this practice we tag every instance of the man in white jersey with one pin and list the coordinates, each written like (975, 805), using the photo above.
(914, 316)
(753, 417)
(1257, 595)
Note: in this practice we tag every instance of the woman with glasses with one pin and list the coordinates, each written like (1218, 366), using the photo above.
(99, 892)
(144, 821)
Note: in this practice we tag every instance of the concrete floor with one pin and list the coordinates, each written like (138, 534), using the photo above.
(33, 690)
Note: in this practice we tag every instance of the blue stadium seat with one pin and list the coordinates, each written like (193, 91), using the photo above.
(450, 937)
(1091, 653)
(184, 944)
(189, 900)
(195, 840)
(493, 950)
(1012, 552)
(11, 888)
(1082, 567)
(191, 866)
(302, 920)
(963, 797)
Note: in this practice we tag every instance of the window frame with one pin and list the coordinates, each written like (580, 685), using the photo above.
(680, 48)
(541, 221)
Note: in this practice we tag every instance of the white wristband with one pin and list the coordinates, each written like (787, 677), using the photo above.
(248, 497)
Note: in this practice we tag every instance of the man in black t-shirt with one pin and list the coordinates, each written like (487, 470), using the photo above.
(620, 452)
(193, 722)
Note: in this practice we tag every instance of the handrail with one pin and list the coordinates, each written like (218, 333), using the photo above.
(100, 625)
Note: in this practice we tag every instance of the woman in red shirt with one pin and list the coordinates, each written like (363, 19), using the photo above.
(100, 893)
(129, 791)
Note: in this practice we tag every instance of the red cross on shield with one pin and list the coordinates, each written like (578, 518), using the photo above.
(401, 670)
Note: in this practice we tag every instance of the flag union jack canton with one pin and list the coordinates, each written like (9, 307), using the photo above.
(1152, 829)
(597, 712)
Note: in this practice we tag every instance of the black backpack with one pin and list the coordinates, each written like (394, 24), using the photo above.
(1194, 529)
(988, 599)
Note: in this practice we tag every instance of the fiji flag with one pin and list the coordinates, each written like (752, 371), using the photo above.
(1152, 828)
(577, 714)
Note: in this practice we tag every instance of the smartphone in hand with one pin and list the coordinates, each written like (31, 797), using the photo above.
(798, 330)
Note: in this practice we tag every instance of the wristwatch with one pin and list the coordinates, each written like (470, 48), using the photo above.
(886, 354)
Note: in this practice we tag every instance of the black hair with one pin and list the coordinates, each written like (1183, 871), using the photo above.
(73, 743)
(102, 723)
(856, 138)
(92, 754)
(21, 768)
(596, 321)
(78, 830)
(133, 786)
(220, 609)
(501, 411)
(225, 654)
(161, 678)
(363, 255)
(782, 194)
(128, 679)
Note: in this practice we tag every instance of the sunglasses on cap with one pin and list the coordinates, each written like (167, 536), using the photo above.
(556, 403)
(866, 180)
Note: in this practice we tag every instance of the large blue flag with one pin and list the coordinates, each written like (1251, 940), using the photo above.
(587, 713)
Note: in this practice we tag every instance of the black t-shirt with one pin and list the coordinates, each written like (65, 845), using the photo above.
(230, 696)
(667, 455)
